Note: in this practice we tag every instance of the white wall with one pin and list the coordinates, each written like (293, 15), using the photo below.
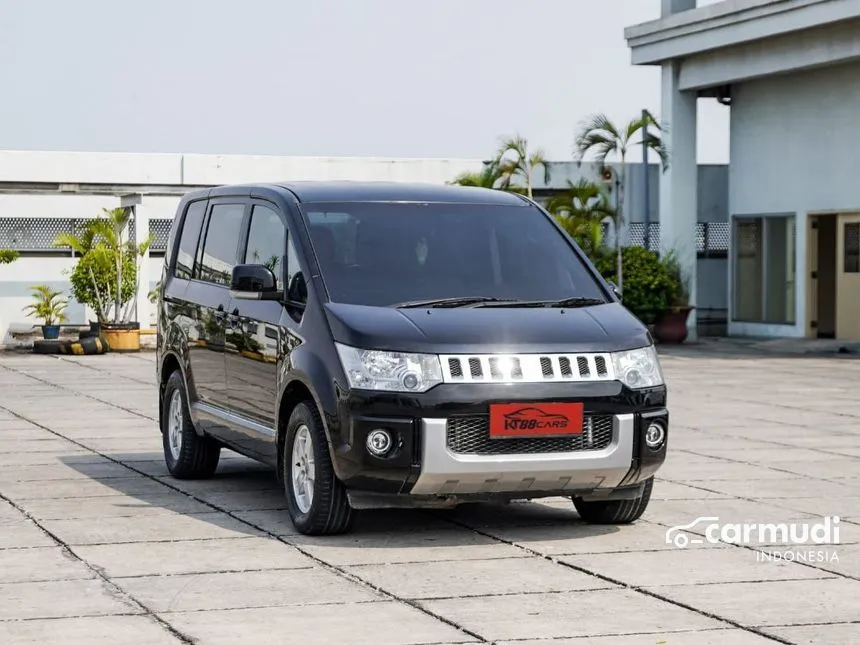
(794, 147)
(15, 280)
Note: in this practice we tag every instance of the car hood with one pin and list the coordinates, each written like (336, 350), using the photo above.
(601, 328)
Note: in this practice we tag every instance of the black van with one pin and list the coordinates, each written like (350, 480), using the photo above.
(399, 345)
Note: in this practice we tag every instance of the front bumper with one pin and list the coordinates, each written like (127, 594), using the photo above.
(444, 472)
(426, 467)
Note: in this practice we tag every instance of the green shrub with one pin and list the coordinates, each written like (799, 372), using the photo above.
(8, 256)
(99, 263)
(650, 286)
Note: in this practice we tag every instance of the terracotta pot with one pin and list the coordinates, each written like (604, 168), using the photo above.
(671, 326)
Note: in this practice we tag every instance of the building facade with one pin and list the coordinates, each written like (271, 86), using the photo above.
(789, 71)
(45, 193)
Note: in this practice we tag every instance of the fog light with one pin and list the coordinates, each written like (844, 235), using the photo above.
(655, 434)
(379, 442)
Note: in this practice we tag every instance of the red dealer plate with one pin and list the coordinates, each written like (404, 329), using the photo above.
(535, 419)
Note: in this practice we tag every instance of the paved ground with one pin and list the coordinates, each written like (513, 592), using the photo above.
(99, 545)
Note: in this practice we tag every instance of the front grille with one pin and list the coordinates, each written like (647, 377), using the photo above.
(526, 368)
(471, 436)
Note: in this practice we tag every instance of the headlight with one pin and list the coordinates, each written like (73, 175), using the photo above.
(638, 368)
(370, 369)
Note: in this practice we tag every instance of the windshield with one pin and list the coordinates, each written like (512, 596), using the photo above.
(383, 254)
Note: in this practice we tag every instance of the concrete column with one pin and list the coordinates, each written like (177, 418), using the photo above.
(141, 231)
(679, 184)
(675, 6)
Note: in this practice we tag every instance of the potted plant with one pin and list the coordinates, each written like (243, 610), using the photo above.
(91, 277)
(107, 275)
(671, 324)
(49, 307)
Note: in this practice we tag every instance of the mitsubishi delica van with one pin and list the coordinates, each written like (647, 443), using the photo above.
(392, 345)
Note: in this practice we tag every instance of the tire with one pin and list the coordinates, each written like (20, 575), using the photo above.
(322, 507)
(622, 511)
(187, 454)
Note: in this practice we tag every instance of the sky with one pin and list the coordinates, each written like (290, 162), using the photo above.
(372, 78)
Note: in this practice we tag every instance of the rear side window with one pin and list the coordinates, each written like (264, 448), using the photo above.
(188, 242)
(222, 243)
(267, 241)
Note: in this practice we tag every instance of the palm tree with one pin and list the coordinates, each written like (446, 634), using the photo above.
(489, 177)
(486, 178)
(514, 160)
(581, 210)
(600, 136)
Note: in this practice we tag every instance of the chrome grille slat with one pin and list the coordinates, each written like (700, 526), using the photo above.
(526, 368)
(470, 435)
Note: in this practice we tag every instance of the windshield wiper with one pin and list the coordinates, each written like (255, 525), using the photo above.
(450, 302)
(576, 301)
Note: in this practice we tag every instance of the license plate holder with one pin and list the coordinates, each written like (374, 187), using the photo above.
(535, 420)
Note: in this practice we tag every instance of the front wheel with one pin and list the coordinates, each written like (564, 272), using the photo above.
(316, 499)
(622, 511)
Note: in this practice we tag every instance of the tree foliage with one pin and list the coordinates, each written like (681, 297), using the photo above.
(7, 256)
(652, 286)
(600, 137)
(99, 242)
(489, 177)
(94, 281)
(515, 161)
(581, 210)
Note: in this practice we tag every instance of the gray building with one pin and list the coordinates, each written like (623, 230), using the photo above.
(790, 72)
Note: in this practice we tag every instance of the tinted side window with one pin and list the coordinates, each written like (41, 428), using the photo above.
(222, 242)
(188, 241)
(267, 241)
(298, 289)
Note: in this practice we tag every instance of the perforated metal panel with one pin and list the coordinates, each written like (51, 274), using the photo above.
(711, 237)
(636, 233)
(161, 229)
(29, 234)
(718, 236)
(32, 233)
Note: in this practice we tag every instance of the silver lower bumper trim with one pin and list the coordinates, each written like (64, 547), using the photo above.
(446, 473)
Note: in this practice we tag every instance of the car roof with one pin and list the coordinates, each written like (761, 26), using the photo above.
(366, 191)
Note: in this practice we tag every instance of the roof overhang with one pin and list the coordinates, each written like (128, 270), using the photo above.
(738, 40)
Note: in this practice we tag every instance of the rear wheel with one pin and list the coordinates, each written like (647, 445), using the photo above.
(316, 499)
(187, 454)
(622, 511)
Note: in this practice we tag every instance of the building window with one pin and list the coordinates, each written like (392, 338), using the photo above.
(764, 269)
(851, 259)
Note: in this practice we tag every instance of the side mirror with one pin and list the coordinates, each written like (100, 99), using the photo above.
(254, 282)
(615, 289)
